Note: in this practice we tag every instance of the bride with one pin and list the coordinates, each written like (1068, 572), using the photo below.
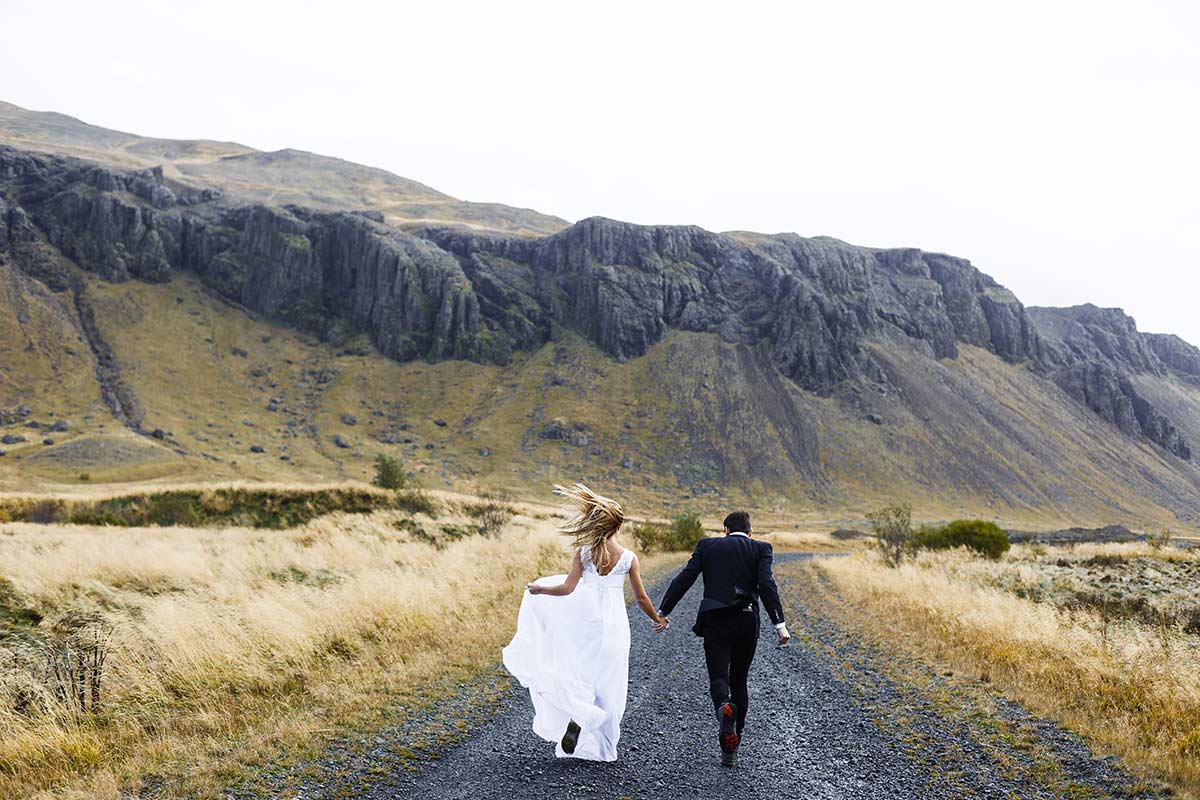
(571, 649)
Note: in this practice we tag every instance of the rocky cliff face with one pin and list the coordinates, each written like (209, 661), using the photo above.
(1091, 352)
(810, 307)
(1176, 354)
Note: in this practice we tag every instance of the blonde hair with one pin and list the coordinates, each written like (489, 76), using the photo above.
(594, 520)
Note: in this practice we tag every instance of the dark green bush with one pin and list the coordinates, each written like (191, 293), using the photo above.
(390, 474)
(680, 535)
(979, 535)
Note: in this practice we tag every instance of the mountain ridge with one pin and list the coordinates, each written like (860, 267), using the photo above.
(830, 318)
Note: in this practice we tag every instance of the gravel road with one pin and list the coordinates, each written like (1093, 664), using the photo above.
(826, 721)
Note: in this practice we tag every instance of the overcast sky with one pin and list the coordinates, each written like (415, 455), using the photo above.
(1052, 143)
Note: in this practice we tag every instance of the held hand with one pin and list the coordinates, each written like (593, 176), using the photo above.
(661, 625)
(533, 588)
(784, 636)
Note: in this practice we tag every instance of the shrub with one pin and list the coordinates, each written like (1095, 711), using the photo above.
(686, 530)
(1160, 539)
(892, 527)
(493, 510)
(75, 655)
(390, 474)
(46, 512)
(680, 535)
(979, 535)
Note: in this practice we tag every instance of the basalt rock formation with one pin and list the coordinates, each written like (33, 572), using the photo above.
(1091, 353)
(811, 308)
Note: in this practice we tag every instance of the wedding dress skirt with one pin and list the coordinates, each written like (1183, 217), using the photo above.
(572, 653)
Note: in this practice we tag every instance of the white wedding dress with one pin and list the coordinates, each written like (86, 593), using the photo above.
(572, 653)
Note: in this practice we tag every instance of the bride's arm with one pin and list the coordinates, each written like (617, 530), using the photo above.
(643, 599)
(564, 588)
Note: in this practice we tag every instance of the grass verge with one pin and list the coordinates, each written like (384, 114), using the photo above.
(1129, 689)
(235, 648)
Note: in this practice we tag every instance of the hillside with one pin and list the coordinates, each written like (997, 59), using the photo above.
(186, 325)
(278, 178)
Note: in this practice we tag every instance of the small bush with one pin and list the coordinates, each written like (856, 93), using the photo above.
(46, 512)
(680, 535)
(892, 527)
(75, 654)
(1160, 539)
(979, 535)
(493, 510)
(390, 474)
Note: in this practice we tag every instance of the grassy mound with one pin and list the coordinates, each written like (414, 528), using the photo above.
(248, 507)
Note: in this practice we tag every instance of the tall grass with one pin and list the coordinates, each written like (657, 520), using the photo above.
(1131, 689)
(226, 643)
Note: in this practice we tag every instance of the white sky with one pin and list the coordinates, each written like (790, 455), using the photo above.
(1052, 143)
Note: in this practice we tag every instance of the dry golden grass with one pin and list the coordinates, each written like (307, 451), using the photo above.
(810, 542)
(234, 645)
(1130, 689)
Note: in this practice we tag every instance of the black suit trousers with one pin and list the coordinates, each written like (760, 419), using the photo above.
(730, 639)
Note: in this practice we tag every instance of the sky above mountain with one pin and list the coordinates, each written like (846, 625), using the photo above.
(1052, 144)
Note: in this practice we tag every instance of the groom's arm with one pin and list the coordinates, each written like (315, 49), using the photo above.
(682, 582)
(767, 590)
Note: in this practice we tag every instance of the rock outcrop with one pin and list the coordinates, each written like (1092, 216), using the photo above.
(1091, 352)
(810, 307)
(1176, 354)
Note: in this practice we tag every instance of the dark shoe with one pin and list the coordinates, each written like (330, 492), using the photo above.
(729, 759)
(727, 714)
(571, 737)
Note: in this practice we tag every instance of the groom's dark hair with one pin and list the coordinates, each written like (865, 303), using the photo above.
(738, 521)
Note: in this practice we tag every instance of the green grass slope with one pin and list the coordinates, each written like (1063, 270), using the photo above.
(695, 422)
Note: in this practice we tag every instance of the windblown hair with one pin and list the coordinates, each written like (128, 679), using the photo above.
(594, 520)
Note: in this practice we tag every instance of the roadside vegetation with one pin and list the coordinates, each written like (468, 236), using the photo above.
(1098, 637)
(168, 660)
(678, 535)
(253, 507)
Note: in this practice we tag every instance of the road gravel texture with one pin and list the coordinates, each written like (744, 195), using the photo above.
(830, 717)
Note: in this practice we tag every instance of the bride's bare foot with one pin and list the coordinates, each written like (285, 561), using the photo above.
(571, 737)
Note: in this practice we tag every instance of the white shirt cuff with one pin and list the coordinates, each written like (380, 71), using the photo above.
(780, 626)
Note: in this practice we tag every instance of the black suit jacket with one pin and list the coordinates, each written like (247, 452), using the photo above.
(737, 572)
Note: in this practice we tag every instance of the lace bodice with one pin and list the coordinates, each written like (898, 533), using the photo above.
(615, 576)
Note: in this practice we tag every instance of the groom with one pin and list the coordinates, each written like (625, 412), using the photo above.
(737, 572)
